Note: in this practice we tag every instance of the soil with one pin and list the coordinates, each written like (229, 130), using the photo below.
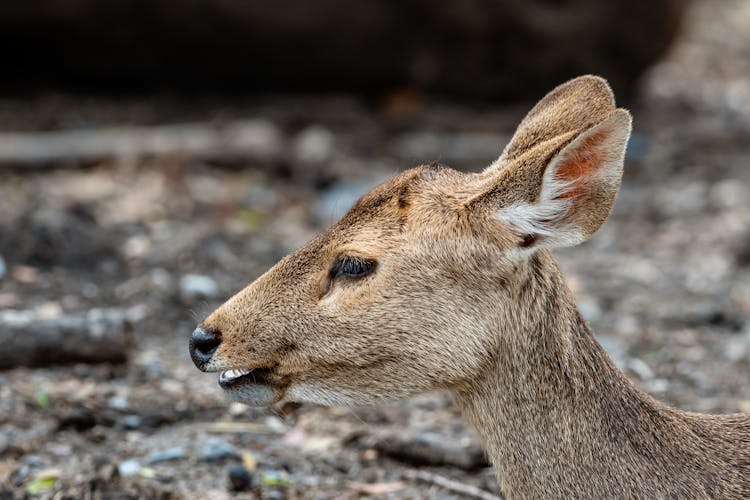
(665, 283)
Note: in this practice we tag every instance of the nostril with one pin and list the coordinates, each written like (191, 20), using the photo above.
(203, 344)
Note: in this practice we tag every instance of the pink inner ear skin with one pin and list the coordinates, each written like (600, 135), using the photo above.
(586, 157)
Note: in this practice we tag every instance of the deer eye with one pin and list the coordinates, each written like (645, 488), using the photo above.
(351, 267)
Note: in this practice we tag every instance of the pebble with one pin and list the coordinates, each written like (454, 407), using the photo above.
(106, 472)
(240, 478)
(161, 278)
(615, 351)
(260, 137)
(215, 449)
(118, 402)
(737, 348)
(276, 424)
(640, 368)
(33, 461)
(197, 287)
(131, 421)
(315, 144)
(20, 475)
(657, 385)
(3, 267)
(236, 409)
(129, 467)
(590, 308)
(9, 300)
(176, 453)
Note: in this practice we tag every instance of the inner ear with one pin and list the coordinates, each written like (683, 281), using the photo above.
(576, 190)
(573, 168)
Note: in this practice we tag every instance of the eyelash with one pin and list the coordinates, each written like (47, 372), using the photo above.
(351, 267)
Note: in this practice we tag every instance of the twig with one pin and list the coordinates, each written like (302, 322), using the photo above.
(235, 427)
(450, 485)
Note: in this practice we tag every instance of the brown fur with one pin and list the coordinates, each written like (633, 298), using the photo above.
(464, 301)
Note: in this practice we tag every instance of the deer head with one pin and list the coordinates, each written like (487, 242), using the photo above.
(419, 285)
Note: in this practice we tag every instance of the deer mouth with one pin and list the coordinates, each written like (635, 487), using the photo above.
(231, 379)
(252, 386)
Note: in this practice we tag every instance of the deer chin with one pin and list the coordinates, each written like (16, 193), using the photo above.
(252, 386)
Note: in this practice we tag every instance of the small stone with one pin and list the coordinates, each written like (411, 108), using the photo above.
(237, 409)
(249, 461)
(640, 368)
(260, 137)
(314, 144)
(20, 475)
(33, 461)
(131, 421)
(48, 310)
(657, 385)
(240, 478)
(166, 455)
(118, 402)
(160, 278)
(215, 449)
(26, 274)
(107, 472)
(8, 300)
(590, 308)
(276, 424)
(90, 290)
(614, 350)
(129, 467)
(136, 247)
(737, 349)
(3, 267)
(197, 287)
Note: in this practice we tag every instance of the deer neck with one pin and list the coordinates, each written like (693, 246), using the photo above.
(557, 417)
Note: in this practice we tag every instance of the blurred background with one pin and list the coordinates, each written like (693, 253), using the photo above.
(156, 156)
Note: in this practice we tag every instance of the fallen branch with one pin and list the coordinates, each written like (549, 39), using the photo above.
(429, 449)
(248, 139)
(450, 485)
(30, 339)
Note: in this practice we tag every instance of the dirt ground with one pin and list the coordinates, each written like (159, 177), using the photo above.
(665, 284)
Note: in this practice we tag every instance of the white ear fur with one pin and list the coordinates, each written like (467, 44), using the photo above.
(539, 219)
(583, 177)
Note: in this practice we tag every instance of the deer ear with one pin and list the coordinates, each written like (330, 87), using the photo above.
(575, 105)
(575, 191)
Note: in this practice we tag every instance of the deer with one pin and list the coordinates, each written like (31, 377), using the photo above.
(444, 280)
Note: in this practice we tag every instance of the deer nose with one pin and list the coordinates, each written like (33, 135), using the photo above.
(203, 344)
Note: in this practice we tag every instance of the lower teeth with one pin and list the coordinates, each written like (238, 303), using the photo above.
(233, 374)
